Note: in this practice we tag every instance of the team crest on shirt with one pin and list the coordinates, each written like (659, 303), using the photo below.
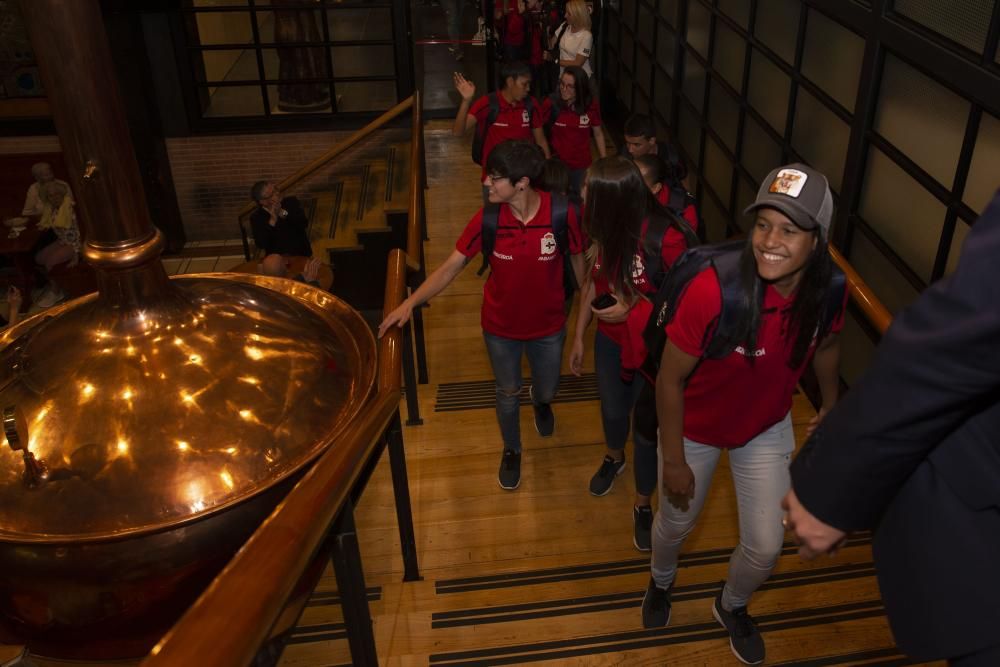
(637, 267)
(525, 118)
(548, 243)
(584, 120)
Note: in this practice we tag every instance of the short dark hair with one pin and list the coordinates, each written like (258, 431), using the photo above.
(257, 190)
(640, 125)
(655, 167)
(513, 70)
(517, 159)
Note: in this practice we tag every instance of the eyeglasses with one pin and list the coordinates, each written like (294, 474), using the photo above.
(494, 179)
(563, 84)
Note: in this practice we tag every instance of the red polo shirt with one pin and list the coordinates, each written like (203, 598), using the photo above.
(728, 401)
(523, 297)
(571, 132)
(513, 122)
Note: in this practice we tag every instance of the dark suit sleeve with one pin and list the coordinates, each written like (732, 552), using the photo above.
(296, 214)
(937, 365)
(263, 233)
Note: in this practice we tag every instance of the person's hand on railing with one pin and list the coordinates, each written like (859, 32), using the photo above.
(398, 317)
(465, 88)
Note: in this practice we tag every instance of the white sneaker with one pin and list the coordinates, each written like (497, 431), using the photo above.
(50, 297)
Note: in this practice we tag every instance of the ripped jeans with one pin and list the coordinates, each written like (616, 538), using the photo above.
(545, 359)
(760, 475)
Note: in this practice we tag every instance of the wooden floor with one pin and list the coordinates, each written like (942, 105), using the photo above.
(548, 573)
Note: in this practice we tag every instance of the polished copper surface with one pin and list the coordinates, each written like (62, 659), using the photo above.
(182, 410)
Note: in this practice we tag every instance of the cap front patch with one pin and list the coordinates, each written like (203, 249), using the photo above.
(788, 182)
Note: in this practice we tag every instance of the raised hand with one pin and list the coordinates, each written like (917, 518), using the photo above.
(465, 88)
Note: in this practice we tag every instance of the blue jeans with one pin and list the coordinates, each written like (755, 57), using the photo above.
(576, 177)
(545, 359)
(617, 399)
(760, 475)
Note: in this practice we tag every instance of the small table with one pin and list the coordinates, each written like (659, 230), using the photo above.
(20, 250)
(294, 265)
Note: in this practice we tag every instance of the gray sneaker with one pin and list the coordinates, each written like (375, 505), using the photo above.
(744, 637)
(655, 606)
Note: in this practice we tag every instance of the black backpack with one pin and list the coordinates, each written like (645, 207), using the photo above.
(482, 128)
(725, 259)
(652, 243)
(559, 214)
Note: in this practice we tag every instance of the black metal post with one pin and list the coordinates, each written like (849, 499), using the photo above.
(346, 559)
(410, 378)
(401, 491)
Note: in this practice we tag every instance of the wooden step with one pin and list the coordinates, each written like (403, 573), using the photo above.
(397, 189)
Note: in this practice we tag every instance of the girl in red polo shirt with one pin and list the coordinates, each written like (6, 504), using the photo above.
(664, 185)
(616, 217)
(573, 114)
(523, 309)
(741, 402)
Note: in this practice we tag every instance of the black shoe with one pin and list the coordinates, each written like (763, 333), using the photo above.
(642, 528)
(655, 606)
(545, 421)
(744, 637)
(604, 478)
(510, 470)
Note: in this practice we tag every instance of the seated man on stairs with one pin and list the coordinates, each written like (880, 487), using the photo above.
(277, 266)
(279, 225)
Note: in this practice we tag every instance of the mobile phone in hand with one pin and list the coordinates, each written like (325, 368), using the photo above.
(604, 301)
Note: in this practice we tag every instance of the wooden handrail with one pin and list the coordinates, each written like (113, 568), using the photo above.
(377, 124)
(877, 314)
(414, 235)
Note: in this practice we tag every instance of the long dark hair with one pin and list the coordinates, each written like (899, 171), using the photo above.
(806, 310)
(581, 83)
(617, 202)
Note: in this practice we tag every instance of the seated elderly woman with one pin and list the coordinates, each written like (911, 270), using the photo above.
(58, 215)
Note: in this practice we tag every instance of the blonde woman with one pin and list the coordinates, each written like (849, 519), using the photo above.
(573, 40)
(59, 216)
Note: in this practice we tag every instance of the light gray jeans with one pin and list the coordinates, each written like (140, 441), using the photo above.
(760, 475)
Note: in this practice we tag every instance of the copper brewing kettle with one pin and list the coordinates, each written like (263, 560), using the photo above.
(152, 426)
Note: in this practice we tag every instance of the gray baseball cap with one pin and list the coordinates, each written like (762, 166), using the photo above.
(800, 192)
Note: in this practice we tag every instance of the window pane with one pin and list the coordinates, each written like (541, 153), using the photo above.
(922, 118)
(627, 52)
(227, 65)
(907, 217)
(746, 194)
(832, 58)
(665, 43)
(768, 93)
(233, 101)
(761, 153)
(613, 30)
(353, 23)
(820, 137)
(723, 115)
(363, 60)
(714, 219)
(890, 286)
(699, 18)
(718, 170)
(625, 88)
(627, 11)
(984, 173)
(777, 25)
(282, 26)
(689, 135)
(641, 104)
(730, 51)
(366, 96)
(962, 22)
(645, 27)
(664, 91)
(694, 81)
(668, 10)
(222, 28)
(738, 10)
(643, 70)
(957, 241)
(294, 63)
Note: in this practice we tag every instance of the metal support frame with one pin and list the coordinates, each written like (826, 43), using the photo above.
(346, 558)
(401, 492)
(410, 377)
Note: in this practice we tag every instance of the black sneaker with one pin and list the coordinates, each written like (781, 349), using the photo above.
(604, 478)
(545, 421)
(642, 528)
(744, 637)
(510, 470)
(655, 606)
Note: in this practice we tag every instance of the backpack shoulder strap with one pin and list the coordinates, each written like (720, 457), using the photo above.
(726, 262)
(834, 300)
(652, 248)
(491, 220)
